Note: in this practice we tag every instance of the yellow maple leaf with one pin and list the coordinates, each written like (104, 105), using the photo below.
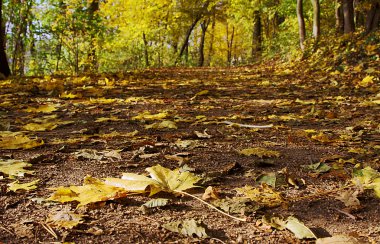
(14, 168)
(148, 116)
(16, 140)
(162, 125)
(259, 152)
(161, 179)
(264, 195)
(93, 190)
(14, 186)
(366, 82)
(40, 127)
(47, 108)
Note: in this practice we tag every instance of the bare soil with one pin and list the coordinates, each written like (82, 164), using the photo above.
(257, 95)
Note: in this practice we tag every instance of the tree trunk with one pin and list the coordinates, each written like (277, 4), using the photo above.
(373, 17)
(339, 20)
(316, 19)
(20, 31)
(256, 36)
(348, 14)
(211, 46)
(187, 37)
(92, 16)
(204, 26)
(230, 41)
(146, 54)
(4, 67)
(301, 24)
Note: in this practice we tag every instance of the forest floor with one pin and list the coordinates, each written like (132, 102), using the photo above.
(320, 131)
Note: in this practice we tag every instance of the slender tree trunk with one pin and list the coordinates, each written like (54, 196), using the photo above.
(316, 19)
(4, 67)
(187, 37)
(20, 30)
(256, 36)
(339, 20)
(230, 41)
(211, 46)
(301, 24)
(146, 54)
(348, 14)
(373, 17)
(204, 26)
(92, 13)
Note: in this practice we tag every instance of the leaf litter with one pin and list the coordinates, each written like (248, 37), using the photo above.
(319, 148)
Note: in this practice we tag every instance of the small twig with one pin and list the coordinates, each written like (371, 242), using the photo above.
(247, 126)
(10, 232)
(346, 213)
(216, 239)
(50, 230)
(211, 206)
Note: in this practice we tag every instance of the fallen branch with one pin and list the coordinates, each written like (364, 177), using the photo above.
(211, 206)
(247, 126)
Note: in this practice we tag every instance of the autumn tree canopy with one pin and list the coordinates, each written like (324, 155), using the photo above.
(81, 36)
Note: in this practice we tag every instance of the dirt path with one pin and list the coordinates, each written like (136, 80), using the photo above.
(315, 120)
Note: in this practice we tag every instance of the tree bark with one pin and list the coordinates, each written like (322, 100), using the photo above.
(316, 19)
(339, 20)
(187, 37)
(256, 36)
(4, 67)
(211, 46)
(373, 17)
(146, 53)
(204, 26)
(301, 24)
(230, 41)
(92, 13)
(348, 14)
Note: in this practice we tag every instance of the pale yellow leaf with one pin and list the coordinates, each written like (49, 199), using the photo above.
(14, 186)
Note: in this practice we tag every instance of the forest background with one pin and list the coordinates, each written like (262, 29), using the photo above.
(89, 36)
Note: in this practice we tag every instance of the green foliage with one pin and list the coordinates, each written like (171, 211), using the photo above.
(81, 36)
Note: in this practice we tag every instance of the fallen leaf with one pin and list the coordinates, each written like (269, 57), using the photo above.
(14, 168)
(16, 140)
(263, 195)
(366, 81)
(65, 219)
(148, 116)
(104, 119)
(202, 135)
(187, 144)
(367, 178)
(47, 108)
(14, 186)
(321, 137)
(187, 227)
(40, 127)
(318, 167)
(338, 239)
(93, 190)
(236, 205)
(210, 194)
(349, 198)
(166, 124)
(172, 180)
(274, 221)
(299, 229)
(162, 179)
(158, 202)
(259, 152)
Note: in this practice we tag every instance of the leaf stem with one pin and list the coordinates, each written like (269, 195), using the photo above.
(211, 206)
